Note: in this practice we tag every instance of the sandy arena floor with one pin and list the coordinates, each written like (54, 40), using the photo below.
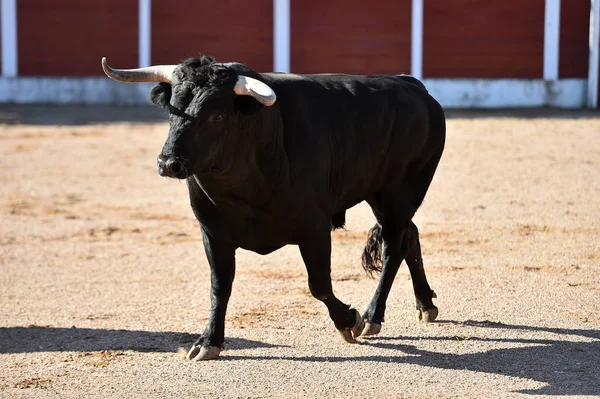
(103, 276)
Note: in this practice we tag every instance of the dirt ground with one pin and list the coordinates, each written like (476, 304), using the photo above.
(103, 277)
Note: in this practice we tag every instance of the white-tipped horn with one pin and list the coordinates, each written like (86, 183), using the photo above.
(157, 73)
(247, 86)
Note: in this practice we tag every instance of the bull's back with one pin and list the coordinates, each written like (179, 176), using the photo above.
(353, 131)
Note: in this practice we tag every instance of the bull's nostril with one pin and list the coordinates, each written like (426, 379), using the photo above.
(176, 167)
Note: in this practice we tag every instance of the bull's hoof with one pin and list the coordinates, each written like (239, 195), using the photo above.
(350, 334)
(203, 352)
(371, 329)
(427, 316)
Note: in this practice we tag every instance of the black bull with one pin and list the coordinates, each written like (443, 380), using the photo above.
(261, 177)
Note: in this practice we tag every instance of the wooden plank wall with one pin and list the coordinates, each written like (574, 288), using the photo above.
(0, 42)
(350, 36)
(483, 39)
(69, 37)
(574, 37)
(229, 30)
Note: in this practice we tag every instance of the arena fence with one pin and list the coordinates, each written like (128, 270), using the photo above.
(549, 89)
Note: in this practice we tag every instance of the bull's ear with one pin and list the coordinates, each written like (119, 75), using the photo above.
(161, 94)
(247, 105)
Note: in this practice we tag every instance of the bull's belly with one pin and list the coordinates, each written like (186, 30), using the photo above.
(262, 235)
(262, 242)
(264, 250)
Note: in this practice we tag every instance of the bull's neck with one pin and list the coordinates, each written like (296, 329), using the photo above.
(257, 173)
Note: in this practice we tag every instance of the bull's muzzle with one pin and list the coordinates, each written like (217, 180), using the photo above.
(172, 167)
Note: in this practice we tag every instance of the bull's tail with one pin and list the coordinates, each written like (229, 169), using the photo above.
(371, 257)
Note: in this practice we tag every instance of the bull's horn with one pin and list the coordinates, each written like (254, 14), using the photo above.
(247, 86)
(158, 73)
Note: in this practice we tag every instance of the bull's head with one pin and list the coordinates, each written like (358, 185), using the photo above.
(206, 102)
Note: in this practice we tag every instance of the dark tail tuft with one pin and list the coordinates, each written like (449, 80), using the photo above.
(371, 257)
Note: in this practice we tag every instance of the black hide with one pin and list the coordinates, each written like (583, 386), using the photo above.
(263, 177)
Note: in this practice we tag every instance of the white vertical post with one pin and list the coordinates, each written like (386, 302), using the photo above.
(9, 37)
(416, 39)
(551, 39)
(592, 101)
(145, 32)
(281, 35)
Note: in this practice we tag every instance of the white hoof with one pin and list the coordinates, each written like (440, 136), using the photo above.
(350, 334)
(427, 316)
(371, 329)
(203, 353)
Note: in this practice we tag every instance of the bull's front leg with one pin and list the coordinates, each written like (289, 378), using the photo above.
(221, 258)
(316, 253)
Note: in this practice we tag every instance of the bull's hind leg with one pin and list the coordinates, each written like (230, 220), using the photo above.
(316, 253)
(398, 246)
(426, 310)
(395, 249)
(394, 210)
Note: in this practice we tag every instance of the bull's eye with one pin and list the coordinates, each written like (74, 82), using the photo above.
(217, 117)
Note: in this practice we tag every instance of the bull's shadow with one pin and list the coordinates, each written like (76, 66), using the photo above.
(567, 367)
(51, 339)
